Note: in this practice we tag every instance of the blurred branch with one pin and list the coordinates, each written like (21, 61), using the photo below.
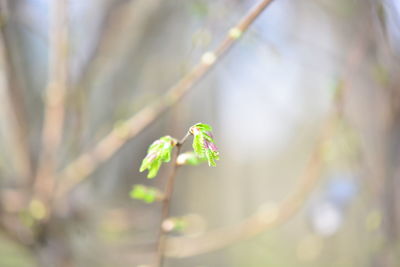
(12, 229)
(88, 162)
(264, 219)
(54, 100)
(110, 53)
(14, 105)
(130, 16)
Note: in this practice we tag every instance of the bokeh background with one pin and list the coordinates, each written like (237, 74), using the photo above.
(305, 111)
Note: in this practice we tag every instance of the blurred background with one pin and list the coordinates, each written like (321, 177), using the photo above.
(305, 110)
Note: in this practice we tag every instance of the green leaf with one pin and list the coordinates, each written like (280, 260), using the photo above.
(203, 143)
(158, 152)
(138, 192)
(144, 193)
(180, 224)
(198, 145)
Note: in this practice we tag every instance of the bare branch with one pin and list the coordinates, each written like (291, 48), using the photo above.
(130, 16)
(54, 101)
(14, 107)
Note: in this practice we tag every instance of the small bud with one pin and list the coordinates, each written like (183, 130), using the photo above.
(146, 194)
(208, 58)
(174, 224)
(189, 158)
(168, 225)
(235, 33)
(37, 209)
(182, 159)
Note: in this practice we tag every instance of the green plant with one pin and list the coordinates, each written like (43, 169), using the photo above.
(204, 149)
(158, 152)
(203, 145)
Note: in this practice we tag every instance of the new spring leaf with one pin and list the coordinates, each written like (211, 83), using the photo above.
(158, 152)
(204, 144)
(144, 193)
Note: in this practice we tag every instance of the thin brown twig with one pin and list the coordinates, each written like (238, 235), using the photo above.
(169, 189)
(180, 247)
(130, 16)
(87, 163)
(14, 105)
(54, 101)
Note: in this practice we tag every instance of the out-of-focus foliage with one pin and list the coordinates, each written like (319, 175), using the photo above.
(145, 193)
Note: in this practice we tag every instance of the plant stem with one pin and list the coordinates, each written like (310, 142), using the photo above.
(180, 143)
(169, 188)
(54, 112)
(13, 104)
